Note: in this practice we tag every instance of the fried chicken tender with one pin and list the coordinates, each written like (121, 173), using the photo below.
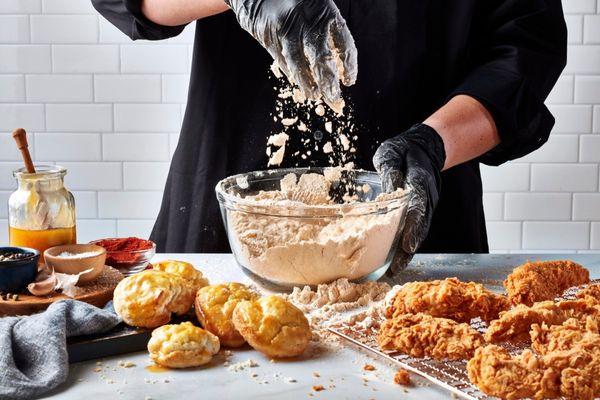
(421, 335)
(183, 269)
(214, 309)
(273, 326)
(182, 346)
(148, 299)
(514, 324)
(543, 280)
(495, 372)
(546, 339)
(571, 373)
(448, 298)
(591, 291)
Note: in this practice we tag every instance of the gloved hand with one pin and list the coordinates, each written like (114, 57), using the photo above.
(307, 39)
(412, 160)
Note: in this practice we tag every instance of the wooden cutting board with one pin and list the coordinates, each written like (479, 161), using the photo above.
(97, 293)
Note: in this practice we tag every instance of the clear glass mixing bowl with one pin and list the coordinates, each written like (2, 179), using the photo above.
(282, 244)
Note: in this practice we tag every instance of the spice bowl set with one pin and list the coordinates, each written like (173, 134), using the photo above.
(19, 266)
(44, 261)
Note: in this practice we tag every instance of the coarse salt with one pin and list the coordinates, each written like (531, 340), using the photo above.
(66, 254)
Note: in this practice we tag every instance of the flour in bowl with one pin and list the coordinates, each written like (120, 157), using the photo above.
(309, 250)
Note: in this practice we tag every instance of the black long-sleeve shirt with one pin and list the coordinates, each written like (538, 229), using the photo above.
(413, 57)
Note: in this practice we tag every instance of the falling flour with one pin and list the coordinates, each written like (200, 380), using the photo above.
(311, 122)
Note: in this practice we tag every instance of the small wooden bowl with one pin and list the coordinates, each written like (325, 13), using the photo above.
(76, 265)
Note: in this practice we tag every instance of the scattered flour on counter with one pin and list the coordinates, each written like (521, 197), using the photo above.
(242, 365)
(327, 304)
(372, 317)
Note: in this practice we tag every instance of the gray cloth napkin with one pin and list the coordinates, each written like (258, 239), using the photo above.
(33, 349)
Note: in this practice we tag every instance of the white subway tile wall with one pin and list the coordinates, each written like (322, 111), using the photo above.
(110, 110)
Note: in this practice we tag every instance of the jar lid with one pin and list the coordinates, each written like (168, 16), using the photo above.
(41, 171)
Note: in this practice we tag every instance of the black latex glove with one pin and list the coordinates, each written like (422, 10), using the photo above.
(412, 160)
(307, 39)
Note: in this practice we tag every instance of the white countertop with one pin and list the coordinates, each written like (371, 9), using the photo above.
(342, 368)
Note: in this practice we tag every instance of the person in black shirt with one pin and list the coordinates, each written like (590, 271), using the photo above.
(437, 87)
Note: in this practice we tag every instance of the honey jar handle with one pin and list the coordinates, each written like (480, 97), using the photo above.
(20, 137)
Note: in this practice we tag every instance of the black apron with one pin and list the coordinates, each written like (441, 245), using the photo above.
(413, 56)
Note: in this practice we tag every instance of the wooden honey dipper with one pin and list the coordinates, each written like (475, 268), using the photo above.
(20, 137)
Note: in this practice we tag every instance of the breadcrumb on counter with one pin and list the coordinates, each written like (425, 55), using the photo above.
(402, 377)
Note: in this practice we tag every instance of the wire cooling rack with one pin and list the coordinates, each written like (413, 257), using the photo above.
(450, 375)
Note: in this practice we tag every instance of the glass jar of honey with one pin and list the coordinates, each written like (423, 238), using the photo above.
(41, 212)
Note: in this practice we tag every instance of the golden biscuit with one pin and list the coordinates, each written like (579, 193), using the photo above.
(214, 307)
(182, 346)
(183, 269)
(273, 326)
(147, 299)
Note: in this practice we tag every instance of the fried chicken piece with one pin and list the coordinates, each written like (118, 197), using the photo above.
(514, 324)
(579, 368)
(571, 373)
(546, 339)
(421, 335)
(448, 298)
(591, 291)
(543, 280)
(495, 372)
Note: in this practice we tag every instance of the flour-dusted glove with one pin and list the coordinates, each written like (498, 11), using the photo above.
(307, 39)
(412, 160)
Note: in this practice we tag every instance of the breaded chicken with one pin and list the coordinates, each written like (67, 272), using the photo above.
(448, 298)
(546, 339)
(421, 335)
(514, 324)
(591, 291)
(495, 372)
(543, 280)
(571, 373)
